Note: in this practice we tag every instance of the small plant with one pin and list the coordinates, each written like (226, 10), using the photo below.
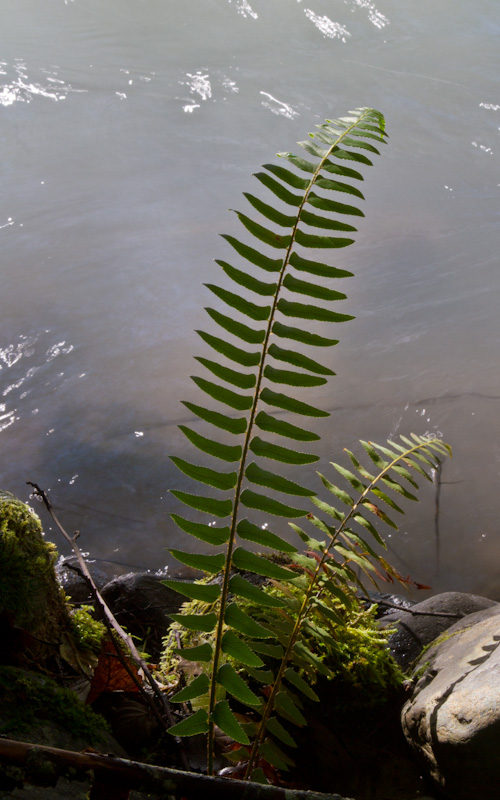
(296, 624)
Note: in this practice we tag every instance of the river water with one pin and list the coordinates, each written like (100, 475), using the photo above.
(129, 127)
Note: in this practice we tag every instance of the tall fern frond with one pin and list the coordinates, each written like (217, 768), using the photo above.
(310, 199)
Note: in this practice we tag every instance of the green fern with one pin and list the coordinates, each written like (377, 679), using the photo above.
(332, 570)
(229, 635)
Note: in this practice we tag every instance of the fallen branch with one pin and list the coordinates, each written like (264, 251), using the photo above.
(40, 763)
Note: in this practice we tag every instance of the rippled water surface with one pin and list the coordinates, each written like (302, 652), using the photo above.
(129, 127)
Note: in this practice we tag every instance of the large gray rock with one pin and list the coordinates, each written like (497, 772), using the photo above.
(414, 631)
(143, 604)
(453, 717)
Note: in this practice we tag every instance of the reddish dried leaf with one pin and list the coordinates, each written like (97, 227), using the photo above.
(386, 578)
(110, 675)
(392, 571)
(376, 510)
(314, 555)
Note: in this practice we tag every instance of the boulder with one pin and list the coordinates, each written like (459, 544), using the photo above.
(386, 602)
(414, 631)
(452, 720)
(142, 604)
(74, 584)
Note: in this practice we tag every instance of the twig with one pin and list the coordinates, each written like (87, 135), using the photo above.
(437, 496)
(411, 610)
(112, 622)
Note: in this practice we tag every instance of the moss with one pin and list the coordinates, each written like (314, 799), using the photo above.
(26, 562)
(31, 600)
(10, 778)
(355, 651)
(29, 699)
(420, 671)
(38, 769)
(417, 669)
(87, 632)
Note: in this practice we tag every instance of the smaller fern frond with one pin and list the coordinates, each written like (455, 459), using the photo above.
(328, 574)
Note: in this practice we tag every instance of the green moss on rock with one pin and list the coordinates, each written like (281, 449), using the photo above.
(33, 607)
(355, 650)
(87, 631)
(29, 701)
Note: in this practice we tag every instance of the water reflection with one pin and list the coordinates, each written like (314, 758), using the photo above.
(244, 8)
(327, 27)
(203, 87)
(16, 374)
(121, 194)
(21, 88)
(278, 107)
(374, 15)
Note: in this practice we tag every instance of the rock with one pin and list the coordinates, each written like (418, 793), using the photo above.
(453, 717)
(33, 708)
(75, 586)
(33, 609)
(142, 604)
(386, 602)
(416, 631)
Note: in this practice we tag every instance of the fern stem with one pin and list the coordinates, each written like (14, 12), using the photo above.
(279, 678)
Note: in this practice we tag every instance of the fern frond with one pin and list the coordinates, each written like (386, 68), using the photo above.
(343, 547)
(313, 219)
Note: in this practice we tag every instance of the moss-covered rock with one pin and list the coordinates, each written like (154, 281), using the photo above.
(35, 708)
(33, 607)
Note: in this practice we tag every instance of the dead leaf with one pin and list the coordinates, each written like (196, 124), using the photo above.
(110, 675)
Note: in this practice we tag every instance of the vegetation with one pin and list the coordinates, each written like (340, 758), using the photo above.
(26, 559)
(31, 599)
(259, 628)
(245, 633)
(356, 653)
(29, 700)
(88, 632)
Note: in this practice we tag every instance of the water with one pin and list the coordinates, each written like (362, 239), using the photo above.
(129, 127)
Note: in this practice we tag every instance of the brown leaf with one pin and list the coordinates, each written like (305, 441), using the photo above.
(110, 675)
(392, 571)
(372, 507)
